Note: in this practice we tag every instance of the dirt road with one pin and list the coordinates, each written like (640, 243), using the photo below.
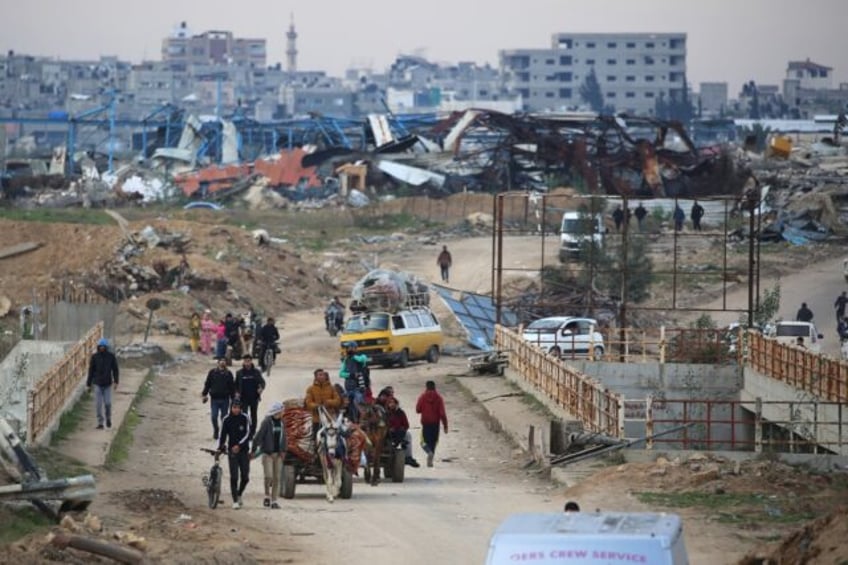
(444, 514)
(440, 515)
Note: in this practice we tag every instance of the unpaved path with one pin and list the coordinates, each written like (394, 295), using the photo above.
(440, 515)
(443, 515)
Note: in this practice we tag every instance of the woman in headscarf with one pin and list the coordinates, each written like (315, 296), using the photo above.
(207, 332)
(194, 332)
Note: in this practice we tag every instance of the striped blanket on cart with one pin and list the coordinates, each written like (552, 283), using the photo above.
(298, 424)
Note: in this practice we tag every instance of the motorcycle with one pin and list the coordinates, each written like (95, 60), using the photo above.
(334, 320)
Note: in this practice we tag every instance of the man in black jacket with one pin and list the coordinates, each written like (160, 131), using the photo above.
(249, 387)
(103, 374)
(232, 331)
(220, 387)
(235, 441)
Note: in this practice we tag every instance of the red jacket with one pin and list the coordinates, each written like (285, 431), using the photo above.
(397, 420)
(431, 406)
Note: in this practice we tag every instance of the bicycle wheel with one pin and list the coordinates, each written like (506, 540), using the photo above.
(268, 361)
(213, 489)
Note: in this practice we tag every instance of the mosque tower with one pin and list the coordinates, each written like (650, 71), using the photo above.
(291, 48)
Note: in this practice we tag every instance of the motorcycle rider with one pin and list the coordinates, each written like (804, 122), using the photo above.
(268, 337)
(334, 316)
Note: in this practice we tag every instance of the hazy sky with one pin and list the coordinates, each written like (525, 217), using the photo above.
(729, 40)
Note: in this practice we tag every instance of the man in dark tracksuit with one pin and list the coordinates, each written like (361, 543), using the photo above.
(103, 374)
(235, 441)
(220, 387)
(249, 387)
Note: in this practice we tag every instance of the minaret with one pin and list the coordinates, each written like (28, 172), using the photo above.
(291, 48)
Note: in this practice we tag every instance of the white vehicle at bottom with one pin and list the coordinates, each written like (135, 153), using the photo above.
(596, 538)
(566, 336)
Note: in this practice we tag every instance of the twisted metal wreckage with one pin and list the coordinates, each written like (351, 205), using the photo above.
(491, 151)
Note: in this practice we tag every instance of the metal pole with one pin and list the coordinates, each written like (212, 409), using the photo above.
(494, 244)
(624, 267)
(499, 295)
(751, 265)
(674, 258)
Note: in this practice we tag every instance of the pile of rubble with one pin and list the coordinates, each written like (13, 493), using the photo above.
(126, 275)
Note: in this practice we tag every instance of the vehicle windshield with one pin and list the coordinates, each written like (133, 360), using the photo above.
(367, 322)
(545, 324)
(578, 226)
(784, 330)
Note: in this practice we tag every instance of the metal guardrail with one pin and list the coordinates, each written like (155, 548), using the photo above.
(822, 376)
(49, 396)
(651, 345)
(583, 397)
(743, 425)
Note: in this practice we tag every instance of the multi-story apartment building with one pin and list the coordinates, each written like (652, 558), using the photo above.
(633, 70)
(215, 47)
(808, 90)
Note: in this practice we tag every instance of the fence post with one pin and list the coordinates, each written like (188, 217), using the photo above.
(662, 345)
(758, 425)
(649, 422)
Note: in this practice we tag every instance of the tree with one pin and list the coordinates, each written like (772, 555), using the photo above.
(590, 92)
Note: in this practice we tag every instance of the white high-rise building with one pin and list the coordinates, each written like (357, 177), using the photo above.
(633, 70)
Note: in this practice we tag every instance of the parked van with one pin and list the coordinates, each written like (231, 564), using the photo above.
(578, 228)
(788, 332)
(396, 339)
(595, 538)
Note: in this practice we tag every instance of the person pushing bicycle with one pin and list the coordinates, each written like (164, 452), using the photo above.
(235, 442)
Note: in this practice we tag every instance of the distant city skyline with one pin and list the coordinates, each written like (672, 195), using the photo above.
(728, 41)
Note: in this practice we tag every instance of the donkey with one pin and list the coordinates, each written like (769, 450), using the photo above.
(331, 448)
(372, 421)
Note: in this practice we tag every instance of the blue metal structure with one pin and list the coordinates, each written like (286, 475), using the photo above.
(255, 138)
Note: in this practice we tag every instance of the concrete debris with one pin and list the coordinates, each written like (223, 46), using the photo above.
(323, 161)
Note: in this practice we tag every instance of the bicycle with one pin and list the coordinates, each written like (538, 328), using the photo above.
(212, 480)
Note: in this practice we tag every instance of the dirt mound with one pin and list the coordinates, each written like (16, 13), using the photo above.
(148, 500)
(823, 541)
(188, 265)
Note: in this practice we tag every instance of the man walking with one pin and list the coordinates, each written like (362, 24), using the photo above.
(618, 217)
(640, 214)
(249, 387)
(804, 314)
(445, 261)
(103, 374)
(220, 387)
(696, 214)
(431, 406)
(840, 303)
(235, 439)
(270, 443)
(679, 217)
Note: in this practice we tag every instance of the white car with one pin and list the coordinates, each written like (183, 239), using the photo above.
(799, 334)
(566, 336)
